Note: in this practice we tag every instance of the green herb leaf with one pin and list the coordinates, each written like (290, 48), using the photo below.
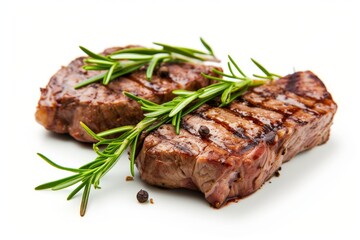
(114, 131)
(131, 56)
(226, 94)
(85, 198)
(138, 57)
(183, 104)
(93, 55)
(90, 132)
(76, 190)
(144, 51)
(182, 92)
(53, 183)
(132, 155)
(154, 61)
(214, 90)
(58, 166)
(179, 50)
(236, 66)
(89, 81)
(108, 75)
(158, 112)
(75, 179)
(178, 121)
(266, 72)
(207, 46)
(138, 99)
(99, 62)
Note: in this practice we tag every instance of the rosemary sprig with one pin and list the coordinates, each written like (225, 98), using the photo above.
(229, 86)
(128, 60)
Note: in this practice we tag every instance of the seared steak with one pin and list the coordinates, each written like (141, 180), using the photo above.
(61, 107)
(230, 152)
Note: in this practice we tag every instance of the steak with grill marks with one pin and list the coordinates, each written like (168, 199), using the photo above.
(61, 107)
(230, 152)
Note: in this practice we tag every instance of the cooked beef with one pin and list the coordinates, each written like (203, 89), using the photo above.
(61, 107)
(230, 152)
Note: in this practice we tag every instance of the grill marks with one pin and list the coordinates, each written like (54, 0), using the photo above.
(219, 135)
(303, 84)
(247, 141)
(261, 117)
(241, 127)
(157, 85)
(292, 83)
(170, 76)
(255, 117)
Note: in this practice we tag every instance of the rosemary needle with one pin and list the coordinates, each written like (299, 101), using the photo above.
(229, 86)
(128, 60)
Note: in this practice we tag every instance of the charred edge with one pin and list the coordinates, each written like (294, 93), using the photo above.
(292, 86)
(317, 79)
(292, 83)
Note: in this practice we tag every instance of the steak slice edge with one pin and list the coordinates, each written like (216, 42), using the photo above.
(61, 108)
(247, 142)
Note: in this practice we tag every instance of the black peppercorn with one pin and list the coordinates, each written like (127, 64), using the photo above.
(204, 131)
(142, 196)
(164, 72)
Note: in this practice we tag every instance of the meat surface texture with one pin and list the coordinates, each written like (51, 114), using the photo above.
(246, 142)
(61, 107)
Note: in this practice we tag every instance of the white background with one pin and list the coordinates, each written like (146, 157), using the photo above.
(317, 194)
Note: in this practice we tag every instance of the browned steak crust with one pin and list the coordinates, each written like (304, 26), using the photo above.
(247, 140)
(61, 107)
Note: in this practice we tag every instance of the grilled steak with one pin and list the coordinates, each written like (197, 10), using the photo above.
(230, 152)
(61, 107)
